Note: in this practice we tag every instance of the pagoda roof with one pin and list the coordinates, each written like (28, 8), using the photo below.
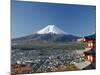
(91, 37)
(91, 52)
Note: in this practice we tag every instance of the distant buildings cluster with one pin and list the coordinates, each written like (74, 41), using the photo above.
(49, 63)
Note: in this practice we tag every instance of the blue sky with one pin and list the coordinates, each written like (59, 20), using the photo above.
(29, 17)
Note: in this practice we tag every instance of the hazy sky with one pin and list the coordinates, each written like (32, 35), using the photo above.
(29, 17)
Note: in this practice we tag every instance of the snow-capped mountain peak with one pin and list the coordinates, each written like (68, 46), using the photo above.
(50, 29)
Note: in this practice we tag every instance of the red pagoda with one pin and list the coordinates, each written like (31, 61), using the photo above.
(90, 55)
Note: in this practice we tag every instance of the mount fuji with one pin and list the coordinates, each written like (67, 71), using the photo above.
(49, 34)
(51, 29)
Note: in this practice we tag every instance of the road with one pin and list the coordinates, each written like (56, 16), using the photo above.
(82, 65)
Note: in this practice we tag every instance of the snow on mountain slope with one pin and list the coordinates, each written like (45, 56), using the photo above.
(51, 29)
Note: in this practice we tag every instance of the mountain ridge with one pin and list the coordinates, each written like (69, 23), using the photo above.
(48, 34)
